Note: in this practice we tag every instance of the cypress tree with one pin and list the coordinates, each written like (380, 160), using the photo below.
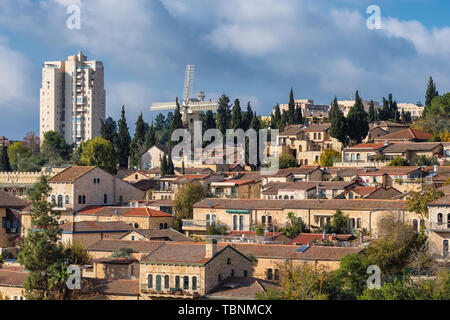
(138, 142)
(276, 117)
(170, 167)
(123, 140)
(291, 108)
(334, 108)
(431, 92)
(358, 125)
(223, 114)
(150, 137)
(236, 117)
(338, 129)
(5, 166)
(298, 117)
(384, 113)
(248, 117)
(371, 115)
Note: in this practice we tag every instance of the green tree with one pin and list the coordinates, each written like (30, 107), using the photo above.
(190, 194)
(431, 93)
(298, 117)
(209, 122)
(339, 125)
(393, 248)
(418, 201)
(358, 125)
(16, 152)
(138, 143)
(99, 152)
(371, 115)
(423, 160)
(276, 117)
(247, 117)
(236, 116)
(177, 121)
(54, 145)
(291, 108)
(170, 166)
(304, 282)
(399, 162)
(77, 254)
(164, 165)
(383, 113)
(440, 107)
(328, 157)
(339, 222)
(150, 138)
(5, 166)
(294, 226)
(123, 141)
(42, 255)
(108, 130)
(287, 161)
(255, 125)
(223, 114)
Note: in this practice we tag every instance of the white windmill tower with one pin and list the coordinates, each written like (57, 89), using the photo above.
(191, 108)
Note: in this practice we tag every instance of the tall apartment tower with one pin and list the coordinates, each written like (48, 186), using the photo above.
(72, 98)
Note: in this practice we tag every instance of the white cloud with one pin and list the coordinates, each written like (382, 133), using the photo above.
(14, 81)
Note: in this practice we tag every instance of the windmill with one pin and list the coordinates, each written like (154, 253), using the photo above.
(191, 108)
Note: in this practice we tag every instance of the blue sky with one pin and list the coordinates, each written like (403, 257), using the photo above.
(254, 50)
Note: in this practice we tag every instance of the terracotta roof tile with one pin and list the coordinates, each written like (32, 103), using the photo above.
(7, 200)
(407, 134)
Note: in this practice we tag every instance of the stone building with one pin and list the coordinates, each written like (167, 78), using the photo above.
(439, 226)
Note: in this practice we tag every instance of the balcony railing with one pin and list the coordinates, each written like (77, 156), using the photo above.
(168, 292)
(194, 223)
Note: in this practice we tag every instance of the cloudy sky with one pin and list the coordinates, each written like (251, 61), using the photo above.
(255, 50)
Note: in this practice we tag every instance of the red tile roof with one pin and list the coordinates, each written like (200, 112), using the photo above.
(407, 134)
(372, 146)
(145, 212)
(123, 211)
(305, 238)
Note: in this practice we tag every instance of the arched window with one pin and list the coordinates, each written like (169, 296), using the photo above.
(158, 283)
(300, 148)
(358, 156)
(235, 221)
(67, 199)
(445, 248)
(60, 201)
(241, 223)
(161, 226)
(277, 274)
(321, 221)
(166, 282)
(280, 197)
(185, 282)
(84, 199)
(286, 197)
(213, 217)
(79, 200)
(415, 225)
(292, 197)
(165, 225)
(352, 223)
(194, 283)
(440, 218)
(315, 136)
(269, 274)
(319, 135)
(263, 219)
(422, 224)
(177, 282)
(150, 281)
(448, 220)
(207, 220)
(136, 226)
(269, 219)
(353, 156)
(306, 162)
(358, 223)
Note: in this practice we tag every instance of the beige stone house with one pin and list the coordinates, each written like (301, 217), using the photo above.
(439, 226)
(10, 227)
(190, 270)
(303, 173)
(243, 215)
(236, 188)
(305, 190)
(78, 187)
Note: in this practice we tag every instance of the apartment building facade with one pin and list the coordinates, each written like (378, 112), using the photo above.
(72, 98)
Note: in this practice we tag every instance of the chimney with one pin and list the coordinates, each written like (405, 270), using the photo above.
(211, 248)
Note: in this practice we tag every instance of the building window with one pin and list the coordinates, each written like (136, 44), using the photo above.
(245, 273)
(186, 283)
(235, 219)
(194, 283)
(120, 199)
(448, 220)
(415, 225)
(269, 274)
(440, 218)
(241, 223)
(132, 237)
(219, 277)
(105, 198)
(95, 181)
(263, 219)
(136, 226)
(269, 219)
(445, 248)
(53, 198)
(79, 199)
(228, 260)
(60, 201)
(166, 282)
(160, 226)
(67, 199)
(358, 223)
(177, 282)
(277, 274)
(150, 281)
(232, 272)
(158, 283)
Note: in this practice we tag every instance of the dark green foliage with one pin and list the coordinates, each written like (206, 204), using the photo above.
(4, 159)
(122, 252)
(223, 114)
(371, 115)
(338, 129)
(54, 146)
(358, 125)
(430, 94)
(298, 117)
(291, 108)
(108, 130)
(236, 117)
(275, 118)
(123, 141)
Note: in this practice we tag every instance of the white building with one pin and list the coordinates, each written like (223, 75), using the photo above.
(72, 98)
(345, 105)
(415, 110)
